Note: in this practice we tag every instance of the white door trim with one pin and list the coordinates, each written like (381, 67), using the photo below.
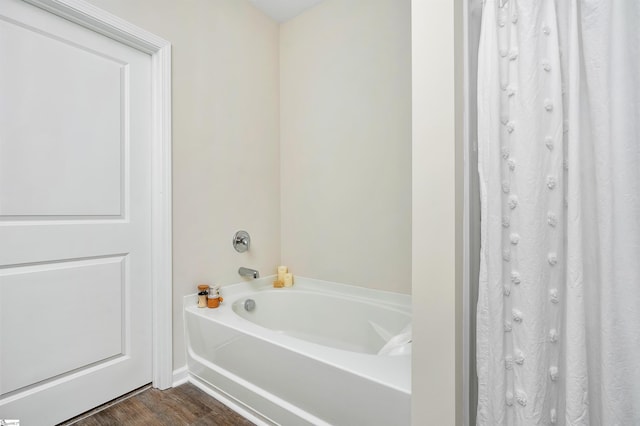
(89, 16)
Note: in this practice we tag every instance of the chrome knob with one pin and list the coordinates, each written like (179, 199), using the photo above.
(241, 241)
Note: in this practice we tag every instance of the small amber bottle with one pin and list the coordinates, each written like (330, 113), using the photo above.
(214, 298)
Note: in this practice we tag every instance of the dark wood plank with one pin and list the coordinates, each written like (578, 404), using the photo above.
(167, 408)
(183, 405)
(216, 419)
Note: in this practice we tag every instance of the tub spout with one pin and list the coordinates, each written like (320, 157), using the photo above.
(246, 272)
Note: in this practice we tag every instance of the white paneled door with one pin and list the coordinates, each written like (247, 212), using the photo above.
(75, 217)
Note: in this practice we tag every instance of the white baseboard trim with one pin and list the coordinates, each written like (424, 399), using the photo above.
(180, 376)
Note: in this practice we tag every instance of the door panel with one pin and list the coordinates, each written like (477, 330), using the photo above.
(56, 163)
(75, 274)
(94, 287)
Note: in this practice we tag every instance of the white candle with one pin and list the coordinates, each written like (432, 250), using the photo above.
(282, 270)
(288, 280)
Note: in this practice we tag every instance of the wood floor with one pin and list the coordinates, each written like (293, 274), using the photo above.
(182, 405)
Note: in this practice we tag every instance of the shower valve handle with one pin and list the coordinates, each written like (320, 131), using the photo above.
(241, 241)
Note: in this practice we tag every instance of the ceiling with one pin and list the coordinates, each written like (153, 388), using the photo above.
(283, 10)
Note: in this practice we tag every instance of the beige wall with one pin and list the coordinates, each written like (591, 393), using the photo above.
(345, 123)
(437, 213)
(225, 137)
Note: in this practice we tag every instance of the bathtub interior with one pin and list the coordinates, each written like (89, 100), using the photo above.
(327, 320)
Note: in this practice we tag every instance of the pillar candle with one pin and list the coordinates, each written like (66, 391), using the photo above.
(281, 271)
(288, 280)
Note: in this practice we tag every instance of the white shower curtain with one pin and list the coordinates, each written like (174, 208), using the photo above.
(558, 326)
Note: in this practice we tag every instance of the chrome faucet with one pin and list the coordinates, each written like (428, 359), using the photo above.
(246, 272)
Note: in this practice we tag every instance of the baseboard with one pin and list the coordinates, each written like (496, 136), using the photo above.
(180, 376)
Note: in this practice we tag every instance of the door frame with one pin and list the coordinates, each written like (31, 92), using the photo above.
(102, 22)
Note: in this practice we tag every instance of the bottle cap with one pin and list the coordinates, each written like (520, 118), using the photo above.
(203, 287)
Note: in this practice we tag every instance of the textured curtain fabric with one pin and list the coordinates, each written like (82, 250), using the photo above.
(558, 326)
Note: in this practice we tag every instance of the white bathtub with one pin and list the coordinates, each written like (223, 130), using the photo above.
(306, 354)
